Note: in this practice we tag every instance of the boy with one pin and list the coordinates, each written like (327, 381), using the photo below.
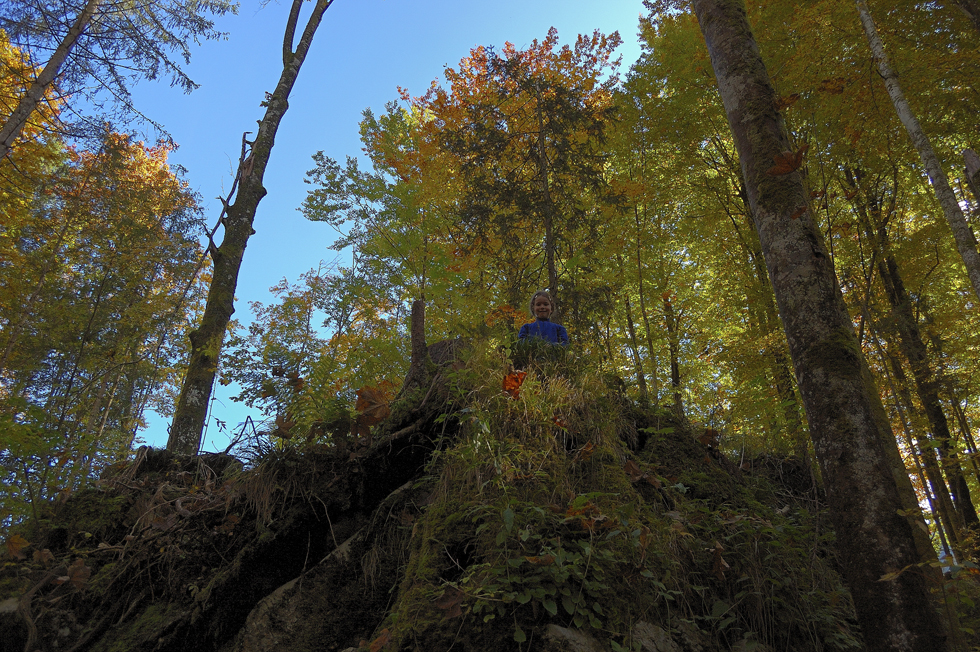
(542, 306)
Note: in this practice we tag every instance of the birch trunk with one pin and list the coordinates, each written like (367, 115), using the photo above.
(847, 420)
(966, 242)
(207, 339)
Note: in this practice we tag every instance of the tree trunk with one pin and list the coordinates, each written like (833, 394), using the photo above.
(548, 206)
(654, 376)
(966, 242)
(207, 339)
(673, 342)
(940, 516)
(926, 385)
(944, 509)
(848, 423)
(635, 349)
(35, 94)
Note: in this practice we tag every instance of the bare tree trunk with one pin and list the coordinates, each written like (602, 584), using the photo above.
(914, 349)
(673, 342)
(966, 242)
(944, 509)
(207, 339)
(549, 205)
(654, 375)
(641, 378)
(940, 517)
(35, 94)
(848, 423)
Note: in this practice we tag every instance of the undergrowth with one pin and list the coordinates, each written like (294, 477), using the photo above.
(541, 513)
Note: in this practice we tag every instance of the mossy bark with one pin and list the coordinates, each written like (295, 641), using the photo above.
(207, 339)
(841, 403)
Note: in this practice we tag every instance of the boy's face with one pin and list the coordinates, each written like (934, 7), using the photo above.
(542, 308)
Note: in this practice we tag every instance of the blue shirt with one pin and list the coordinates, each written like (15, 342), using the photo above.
(546, 330)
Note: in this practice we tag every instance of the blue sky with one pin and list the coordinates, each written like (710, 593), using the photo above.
(363, 51)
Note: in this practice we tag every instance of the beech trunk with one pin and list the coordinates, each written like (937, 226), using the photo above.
(848, 424)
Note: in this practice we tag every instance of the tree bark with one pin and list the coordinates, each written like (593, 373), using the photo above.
(641, 378)
(207, 339)
(848, 423)
(548, 206)
(914, 349)
(966, 242)
(673, 342)
(35, 94)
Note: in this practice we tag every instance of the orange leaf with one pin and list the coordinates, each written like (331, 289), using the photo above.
(383, 639)
(513, 382)
(544, 560)
(787, 162)
(798, 212)
(585, 452)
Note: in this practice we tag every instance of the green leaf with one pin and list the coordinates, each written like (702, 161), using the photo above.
(508, 516)
(568, 604)
(550, 606)
(519, 635)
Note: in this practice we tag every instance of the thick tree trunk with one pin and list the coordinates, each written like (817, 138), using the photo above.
(207, 339)
(847, 420)
(966, 242)
(35, 94)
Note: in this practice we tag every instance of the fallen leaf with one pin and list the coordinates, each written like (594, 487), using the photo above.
(16, 545)
(79, 573)
(585, 452)
(719, 565)
(43, 557)
(379, 643)
(450, 602)
(632, 469)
